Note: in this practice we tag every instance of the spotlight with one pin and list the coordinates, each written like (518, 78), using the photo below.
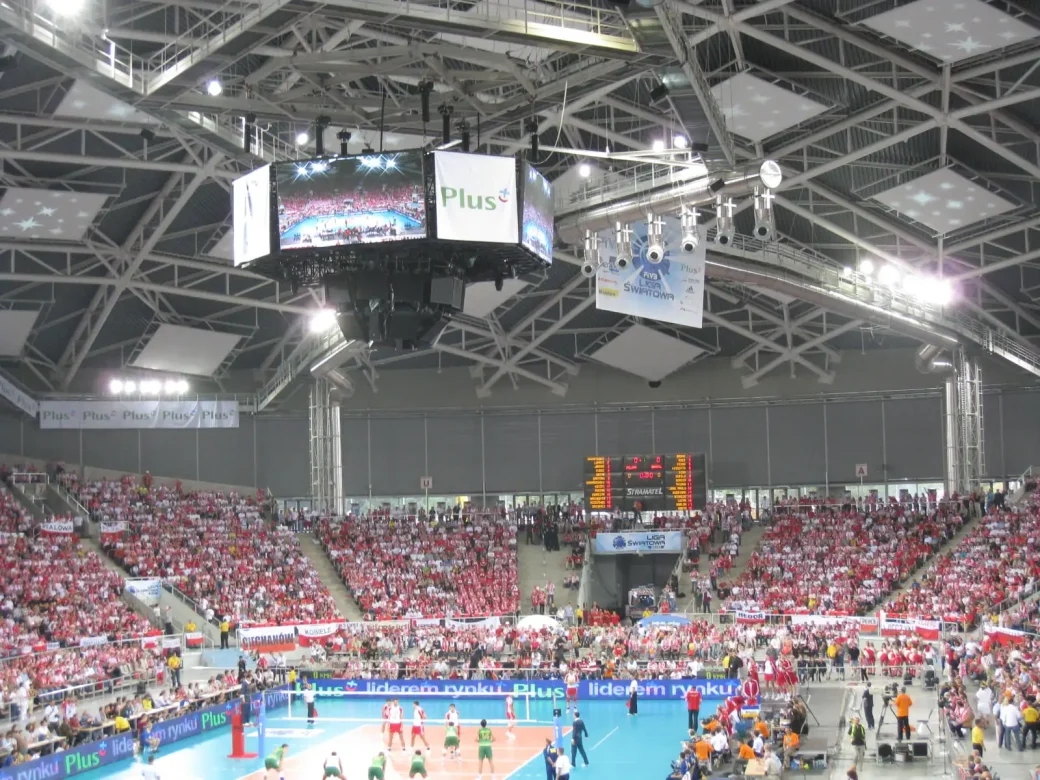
(623, 239)
(654, 239)
(320, 125)
(322, 321)
(846, 271)
(888, 276)
(763, 229)
(584, 170)
(214, 88)
(658, 93)
(724, 229)
(390, 163)
(866, 267)
(690, 237)
(150, 387)
(115, 386)
(658, 145)
(129, 387)
(343, 137)
(941, 293)
(66, 7)
(716, 185)
(591, 263)
(170, 387)
(680, 141)
(302, 139)
(182, 386)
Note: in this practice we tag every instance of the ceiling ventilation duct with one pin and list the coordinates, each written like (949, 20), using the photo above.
(667, 198)
(928, 361)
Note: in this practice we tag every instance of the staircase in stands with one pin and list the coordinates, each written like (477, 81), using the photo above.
(749, 542)
(312, 550)
(538, 567)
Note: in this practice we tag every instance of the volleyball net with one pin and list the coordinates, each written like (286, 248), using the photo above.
(364, 707)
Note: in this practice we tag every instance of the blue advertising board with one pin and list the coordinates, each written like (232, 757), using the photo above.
(115, 748)
(614, 690)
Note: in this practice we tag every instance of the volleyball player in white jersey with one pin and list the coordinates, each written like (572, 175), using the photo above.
(570, 680)
(419, 725)
(510, 718)
(396, 723)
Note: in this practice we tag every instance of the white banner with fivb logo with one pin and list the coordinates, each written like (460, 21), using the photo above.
(139, 414)
(476, 198)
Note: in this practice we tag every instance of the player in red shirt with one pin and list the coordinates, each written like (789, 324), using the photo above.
(419, 725)
(693, 709)
(510, 718)
(395, 720)
(386, 715)
(750, 690)
(570, 680)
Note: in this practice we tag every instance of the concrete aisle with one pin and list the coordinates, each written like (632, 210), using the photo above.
(535, 566)
(312, 550)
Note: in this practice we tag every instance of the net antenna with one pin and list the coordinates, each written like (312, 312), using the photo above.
(435, 703)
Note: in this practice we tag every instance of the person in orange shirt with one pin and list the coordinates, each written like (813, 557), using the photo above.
(702, 749)
(791, 742)
(762, 727)
(902, 703)
(746, 753)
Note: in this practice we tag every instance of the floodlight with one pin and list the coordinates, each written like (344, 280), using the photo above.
(846, 271)
(182, 386)
(584, 170)
(322, 320)
(866, 267)
(151, 387)
(214, 88)
(170, 387)
(66, 7)
(889, 275)
(129, 387)
(725, 230)
(390, 163)
(941, 292)
(116, 386)
(302, 139)
(658, 145)
(680, 141)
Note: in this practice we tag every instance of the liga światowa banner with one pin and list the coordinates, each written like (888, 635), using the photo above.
(638, 542)
(476, 198)
(671, 290)
(128, 414)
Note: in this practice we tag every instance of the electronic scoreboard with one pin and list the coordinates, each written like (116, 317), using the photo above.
(650, 483)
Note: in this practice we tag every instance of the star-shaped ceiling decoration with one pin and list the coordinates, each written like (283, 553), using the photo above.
(83, 101)
(756, 109)
(51, 214)
(944, 201)
(952, 30)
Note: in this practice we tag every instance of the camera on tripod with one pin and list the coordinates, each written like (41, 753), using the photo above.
(890, 691)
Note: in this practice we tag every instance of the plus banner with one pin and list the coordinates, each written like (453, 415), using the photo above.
(662, 281)
(613, 690)
(120, 414)
(476, 198)
(638, 542)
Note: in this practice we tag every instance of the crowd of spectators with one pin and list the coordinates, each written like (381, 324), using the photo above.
(334, 207)
(459, 565)
(837, 561)
(997, 562)
(217, 548)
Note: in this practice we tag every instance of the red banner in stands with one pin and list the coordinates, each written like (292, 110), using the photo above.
(751, 618)
(1005, 636)
(111, 531)
(194, 639)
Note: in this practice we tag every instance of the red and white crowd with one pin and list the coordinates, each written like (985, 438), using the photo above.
(452, 567)
(837, 562)
(216, 547)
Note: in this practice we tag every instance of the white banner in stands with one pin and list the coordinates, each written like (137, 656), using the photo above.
(18, 397)
(319, 630)
(491, 622)
(139, 414)
(638, 542)
(58, 528)
(93, 641)
(147, 590)
(476, 198)
(112, 527)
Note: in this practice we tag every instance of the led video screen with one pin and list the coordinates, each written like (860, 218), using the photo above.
(536, 231)
(350, 200)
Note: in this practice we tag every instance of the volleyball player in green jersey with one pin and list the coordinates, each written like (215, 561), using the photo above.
(484, 740)
(418, 765)
(273, 763)
(451, 740)
(375, 771)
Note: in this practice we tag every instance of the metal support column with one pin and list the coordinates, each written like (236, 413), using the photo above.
(325, 448)
(963, 426)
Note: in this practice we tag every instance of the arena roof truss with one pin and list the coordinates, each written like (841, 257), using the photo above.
(889, 113)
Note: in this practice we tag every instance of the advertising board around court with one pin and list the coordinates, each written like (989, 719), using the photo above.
(102, 752)
(638, 542)
(126, 414)
(605, 690)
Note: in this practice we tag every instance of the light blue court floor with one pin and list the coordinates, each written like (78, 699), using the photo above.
(620, 747)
